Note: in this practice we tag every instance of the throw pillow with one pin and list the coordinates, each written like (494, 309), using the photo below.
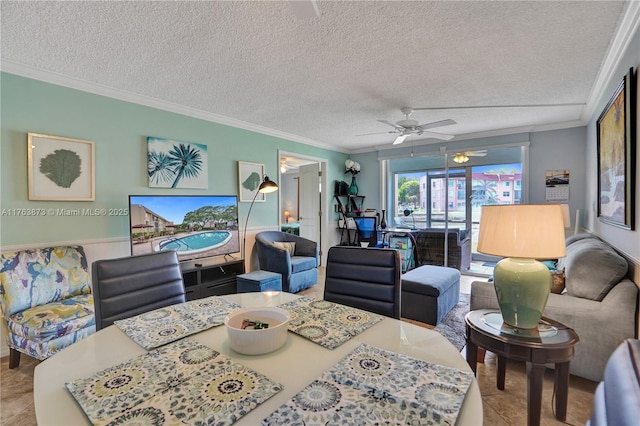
(550, 264)
(286, 245)
(569, 241)
(592, 268)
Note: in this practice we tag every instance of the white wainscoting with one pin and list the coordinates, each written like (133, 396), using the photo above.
(109, 248)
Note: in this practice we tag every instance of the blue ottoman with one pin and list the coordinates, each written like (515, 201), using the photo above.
(257, 281)
(429, 293)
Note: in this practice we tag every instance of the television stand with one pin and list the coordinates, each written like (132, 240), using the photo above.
(214, 279)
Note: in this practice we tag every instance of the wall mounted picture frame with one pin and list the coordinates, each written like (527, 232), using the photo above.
(60, 168)
(176, 164)
(250, 177)
(616, 129)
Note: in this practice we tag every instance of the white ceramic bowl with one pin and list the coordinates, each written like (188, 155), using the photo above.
(257, 342)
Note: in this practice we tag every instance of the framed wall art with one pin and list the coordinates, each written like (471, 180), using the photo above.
(250, 177)
(616, 156)
(175, 164)
(60, 169)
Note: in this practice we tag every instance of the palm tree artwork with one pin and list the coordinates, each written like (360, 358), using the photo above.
(158, 167)
(186, 162)
(173, 164)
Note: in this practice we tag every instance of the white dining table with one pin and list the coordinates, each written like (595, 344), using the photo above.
(295, 365)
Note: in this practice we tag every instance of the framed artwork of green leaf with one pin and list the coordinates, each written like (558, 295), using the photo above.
(60, 168)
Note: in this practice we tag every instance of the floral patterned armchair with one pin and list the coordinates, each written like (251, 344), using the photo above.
(46, 300)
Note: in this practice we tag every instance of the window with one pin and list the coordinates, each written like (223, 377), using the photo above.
(410, 193)
(506, 194)
(507, 183)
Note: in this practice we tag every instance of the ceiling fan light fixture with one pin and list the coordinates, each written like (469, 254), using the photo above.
(400, 139)
(460, 158)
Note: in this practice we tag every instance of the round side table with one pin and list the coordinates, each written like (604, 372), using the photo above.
(550, 343)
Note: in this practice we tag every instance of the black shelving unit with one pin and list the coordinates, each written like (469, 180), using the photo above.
(211, 280)
(349, 206)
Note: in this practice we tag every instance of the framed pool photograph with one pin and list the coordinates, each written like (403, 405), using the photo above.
(60, 169)
(616, 128)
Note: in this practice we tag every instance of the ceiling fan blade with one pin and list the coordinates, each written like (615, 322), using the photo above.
(377, 133)
(395, 126)
(442, 108)
(435, 124)
(400, 139)
(435, 135)
(305, 9)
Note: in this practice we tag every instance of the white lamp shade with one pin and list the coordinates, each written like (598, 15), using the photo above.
(528, 231)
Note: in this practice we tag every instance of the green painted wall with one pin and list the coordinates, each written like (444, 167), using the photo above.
(119, 130)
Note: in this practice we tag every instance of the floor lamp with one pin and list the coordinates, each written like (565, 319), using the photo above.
(265, 187)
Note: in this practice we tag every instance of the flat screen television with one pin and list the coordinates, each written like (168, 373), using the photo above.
(195, 226)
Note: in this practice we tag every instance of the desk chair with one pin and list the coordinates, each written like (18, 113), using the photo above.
(367, 228)
(132, 285)
(363, 278)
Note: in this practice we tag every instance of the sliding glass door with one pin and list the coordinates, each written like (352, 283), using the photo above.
(492, 184)
(409, 205)
(424, 193)
(447, 199)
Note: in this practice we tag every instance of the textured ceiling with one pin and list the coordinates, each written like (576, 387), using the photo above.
(325, 79)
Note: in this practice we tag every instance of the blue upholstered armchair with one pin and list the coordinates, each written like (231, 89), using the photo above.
(294, 257)
(46, 300)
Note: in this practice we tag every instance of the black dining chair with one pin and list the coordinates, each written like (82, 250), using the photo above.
(364, 278)
(130, 286)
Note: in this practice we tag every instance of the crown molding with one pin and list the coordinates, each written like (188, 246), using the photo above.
(122, 95)
(629, 24)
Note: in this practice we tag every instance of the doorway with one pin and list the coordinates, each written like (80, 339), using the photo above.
(302, 197)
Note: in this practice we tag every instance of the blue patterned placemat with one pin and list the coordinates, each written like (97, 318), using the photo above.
(165, 325)
(181, 383)
(375, 386)
(326, 323)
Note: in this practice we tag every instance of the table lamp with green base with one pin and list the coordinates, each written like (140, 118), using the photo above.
(522, 234)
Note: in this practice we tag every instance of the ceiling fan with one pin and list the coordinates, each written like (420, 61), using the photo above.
(463, 157)
(285, 166)
(408, 127)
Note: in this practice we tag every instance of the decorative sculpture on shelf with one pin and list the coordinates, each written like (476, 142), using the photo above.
(383, 221)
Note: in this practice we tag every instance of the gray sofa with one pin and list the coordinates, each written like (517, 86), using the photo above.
(599, 302)
(300, 270)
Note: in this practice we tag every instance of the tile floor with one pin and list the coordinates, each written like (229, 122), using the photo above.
(501, 408)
